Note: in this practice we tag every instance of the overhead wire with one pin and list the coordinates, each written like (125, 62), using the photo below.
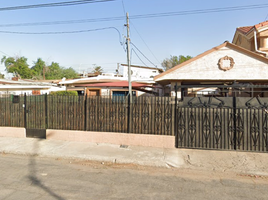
(123, 5)
(138, 56)
(266, 17)
(201, 11)
(144, 42)
(4, 53)
(57, 4)
(64, 32)
(63, 22)
(143, 54)
(153, 15)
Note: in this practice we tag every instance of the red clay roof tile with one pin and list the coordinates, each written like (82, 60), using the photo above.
(246, 29)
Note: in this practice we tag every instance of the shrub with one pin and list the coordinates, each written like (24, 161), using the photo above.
(64, 93)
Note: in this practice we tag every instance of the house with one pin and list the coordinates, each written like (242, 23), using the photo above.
(110, 84)
(140, 73)
(20, 87)
(224, 67)
(253, 38)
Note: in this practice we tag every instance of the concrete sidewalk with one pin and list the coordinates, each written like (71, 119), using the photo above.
(223, 161)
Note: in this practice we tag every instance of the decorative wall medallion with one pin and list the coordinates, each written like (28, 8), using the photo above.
(226, 63)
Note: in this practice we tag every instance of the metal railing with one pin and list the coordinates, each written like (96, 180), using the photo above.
(233, 123)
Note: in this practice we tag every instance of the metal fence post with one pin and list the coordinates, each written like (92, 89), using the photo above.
(128, 116)
(46, 112)
(234, 119)
(176, 120)
(25, 111)
(85, 113)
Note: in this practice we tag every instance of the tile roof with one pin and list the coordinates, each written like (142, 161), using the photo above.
(247, 29)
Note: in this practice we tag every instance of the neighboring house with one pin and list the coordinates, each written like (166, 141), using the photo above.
(141, 72)
(21, 87)
(226, 64)
(119, 88)
(253, 38)
(109, 84)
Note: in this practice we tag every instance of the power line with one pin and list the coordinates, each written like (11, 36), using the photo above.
(138, 57)
(65, 3)
(145, 42)
(201, 11)
(123, 5)
(143, 54)
(166, 14)
(266, 17)
(4, 53)
(63, 32)
(62, 22)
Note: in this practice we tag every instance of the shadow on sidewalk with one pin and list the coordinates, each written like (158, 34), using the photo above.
(32, 166)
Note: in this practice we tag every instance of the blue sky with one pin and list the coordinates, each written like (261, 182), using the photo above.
(157, 38)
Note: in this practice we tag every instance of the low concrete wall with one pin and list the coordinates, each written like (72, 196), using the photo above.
(113, 138)
(12, 132)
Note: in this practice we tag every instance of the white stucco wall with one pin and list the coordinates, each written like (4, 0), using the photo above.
(140, 73)
(206, 68)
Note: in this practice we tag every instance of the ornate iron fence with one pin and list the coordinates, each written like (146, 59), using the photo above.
(234, 123)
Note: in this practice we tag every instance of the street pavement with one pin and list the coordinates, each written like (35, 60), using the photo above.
(39, 178)
(249, 163)
(84, 151)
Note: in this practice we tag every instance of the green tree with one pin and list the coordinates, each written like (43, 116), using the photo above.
(18, 66)
(37, 68)
(20, 69)
(54, 71)
(69, 73)
(171, 62)
(2, 75)
(97, 69)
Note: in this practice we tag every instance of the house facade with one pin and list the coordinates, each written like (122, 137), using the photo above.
(253, 38)
(220, 67)
(141, 72)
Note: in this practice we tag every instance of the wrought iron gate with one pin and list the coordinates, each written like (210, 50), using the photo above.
(232, 123)
(35, 116)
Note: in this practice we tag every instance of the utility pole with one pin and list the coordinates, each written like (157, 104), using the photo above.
(129, 80)
(128, 61)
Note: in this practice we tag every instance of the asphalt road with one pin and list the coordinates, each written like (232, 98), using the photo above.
(32, 177)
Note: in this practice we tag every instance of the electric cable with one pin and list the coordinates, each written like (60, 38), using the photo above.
(64, 32)
(123, 5)
(138, 57)
(201, 11)
(63, 22)
(143, 54)
(145, 42)
(65, 3)
(166, 14)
